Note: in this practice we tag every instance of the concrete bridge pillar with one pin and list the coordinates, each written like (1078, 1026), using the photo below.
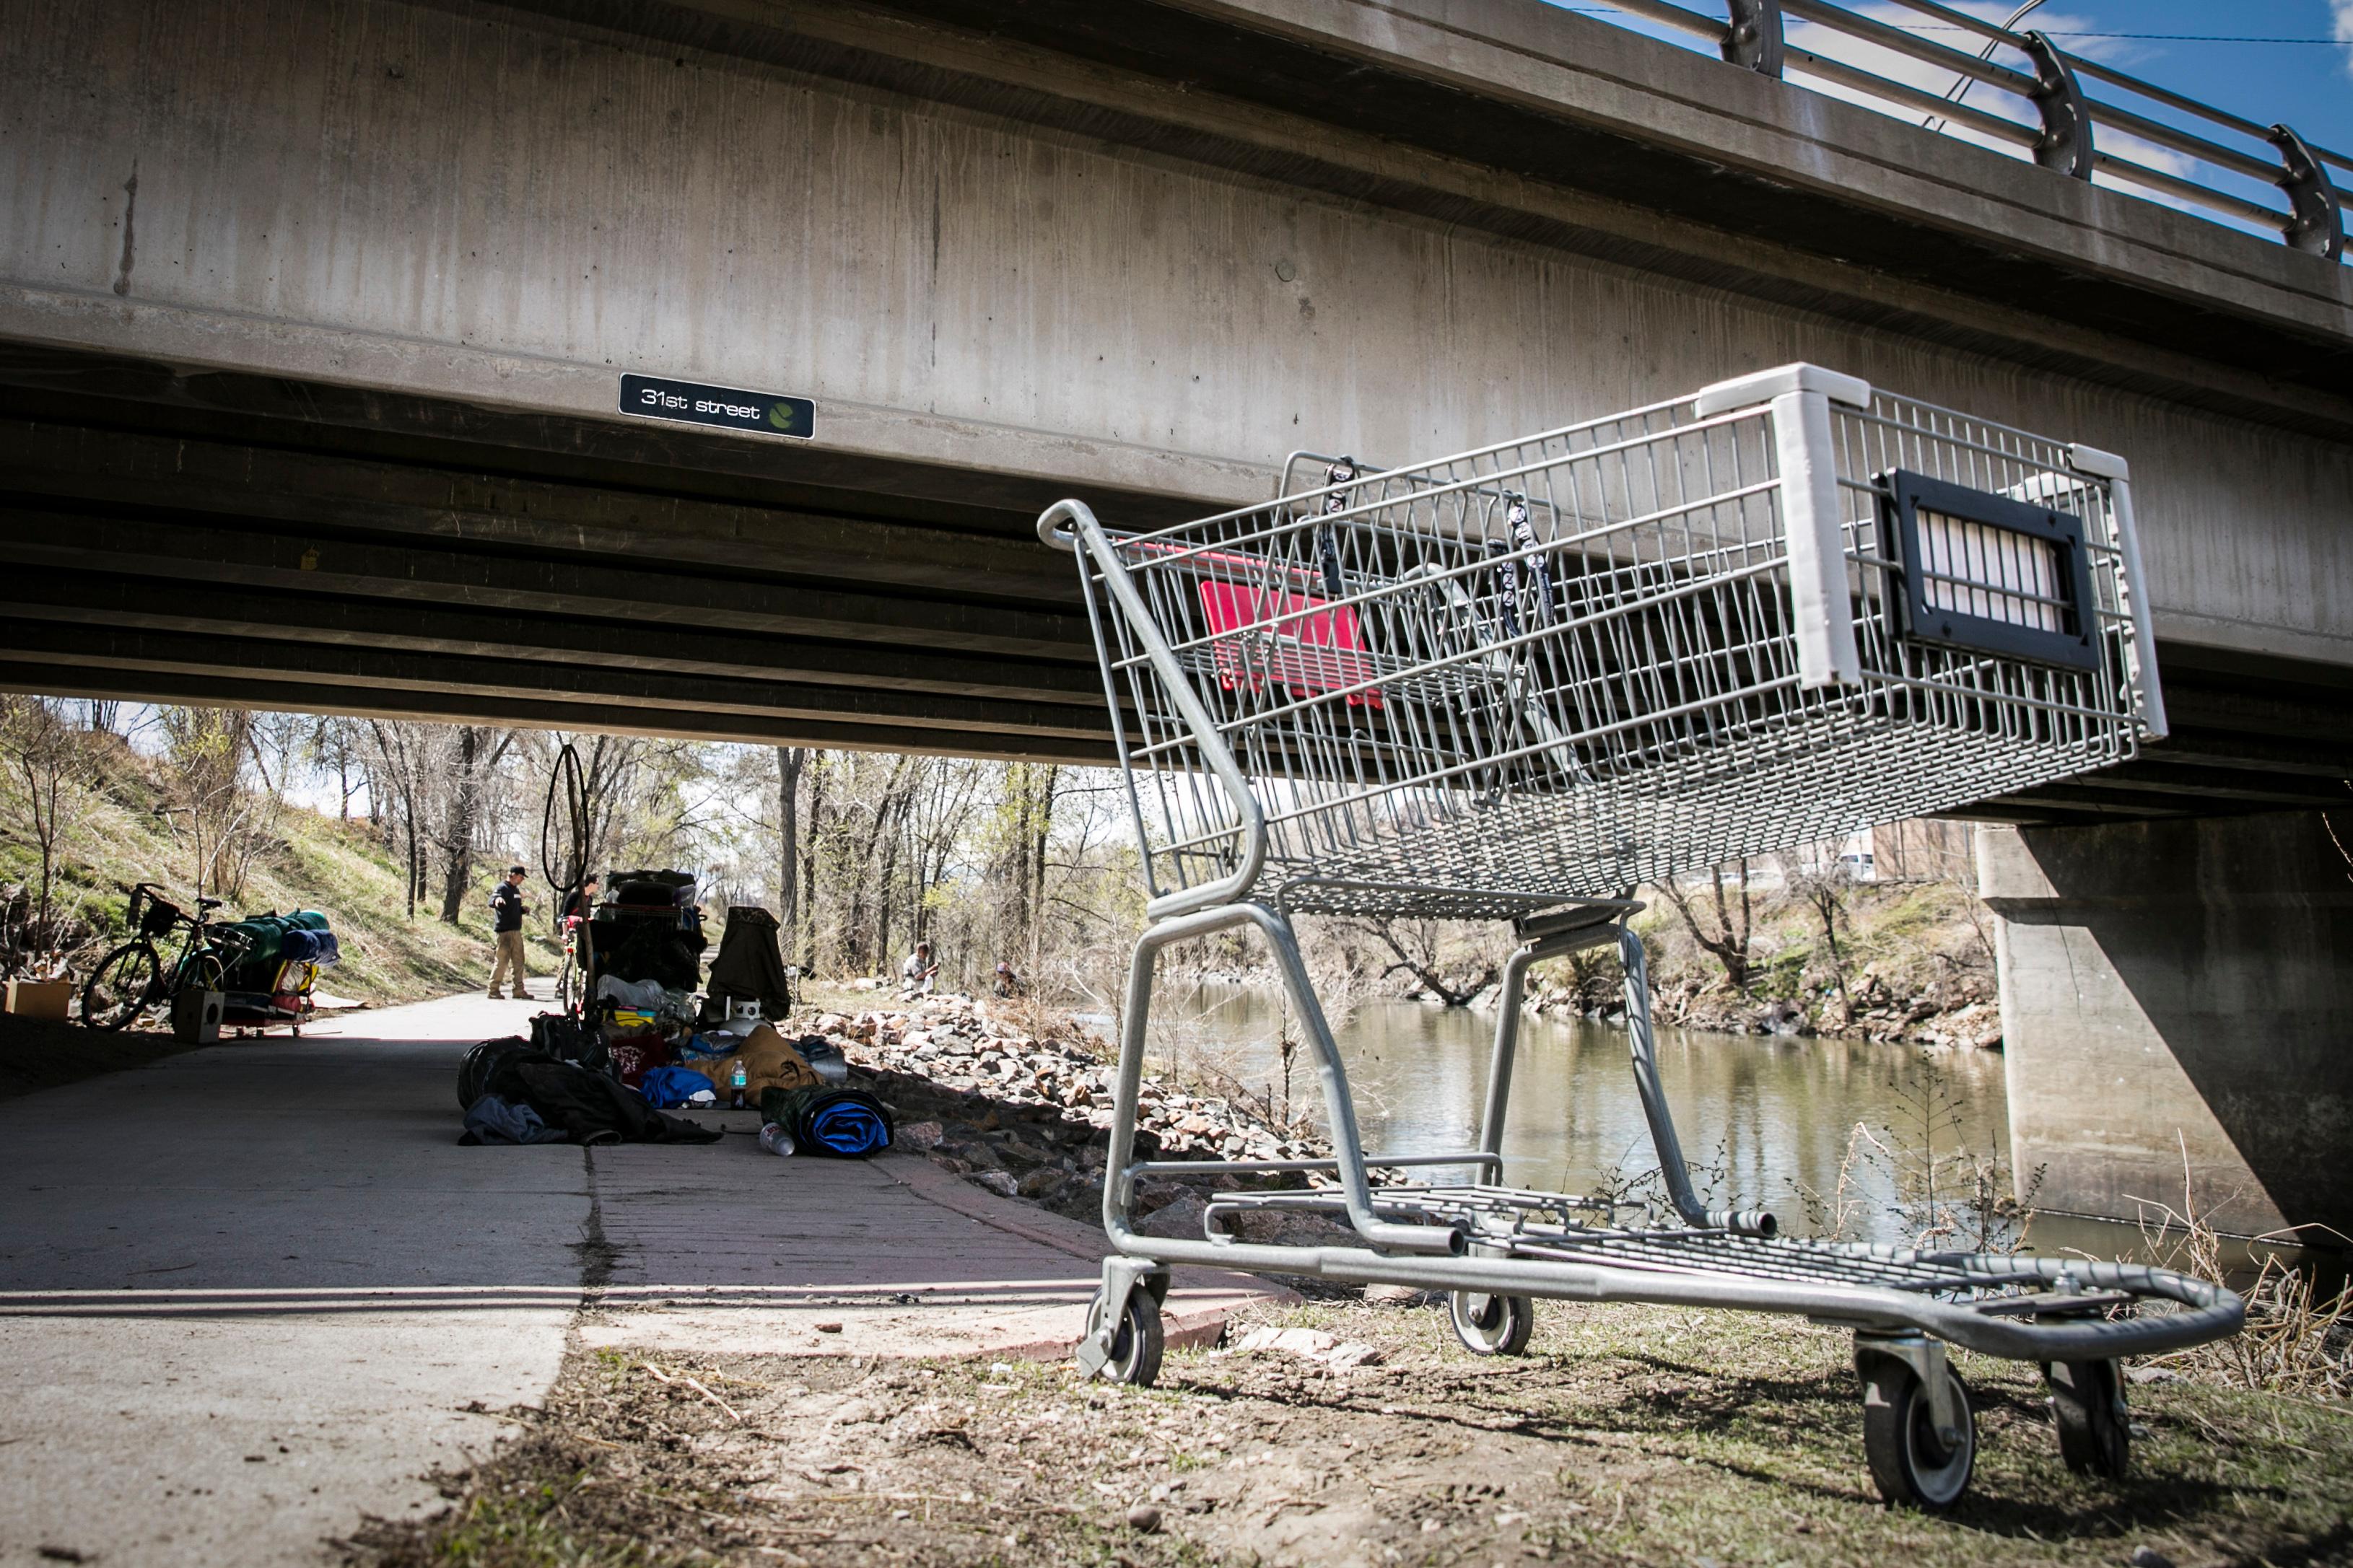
(2179, 985)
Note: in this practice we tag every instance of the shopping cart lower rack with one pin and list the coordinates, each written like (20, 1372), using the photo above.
(1516, 684)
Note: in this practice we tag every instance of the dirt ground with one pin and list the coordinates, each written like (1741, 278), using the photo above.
(1630, 1435)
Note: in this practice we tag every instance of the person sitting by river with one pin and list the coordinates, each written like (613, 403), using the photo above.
(1008, 983)
(920, 971)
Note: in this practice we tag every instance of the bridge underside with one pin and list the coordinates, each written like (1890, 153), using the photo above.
(263, 542)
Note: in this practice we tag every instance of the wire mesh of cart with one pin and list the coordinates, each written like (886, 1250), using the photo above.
(1519, 682)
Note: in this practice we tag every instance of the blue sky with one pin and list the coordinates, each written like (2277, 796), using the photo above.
(2307, 84)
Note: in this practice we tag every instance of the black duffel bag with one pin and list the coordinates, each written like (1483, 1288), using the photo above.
(569, 1039)
(480, 1072)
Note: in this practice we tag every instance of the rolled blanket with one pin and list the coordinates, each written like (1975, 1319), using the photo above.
(848, 1123)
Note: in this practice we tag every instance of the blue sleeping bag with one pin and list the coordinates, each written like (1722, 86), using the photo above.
(667, 1089)
(849, 1123)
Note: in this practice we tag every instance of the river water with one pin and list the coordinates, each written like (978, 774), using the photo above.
(1771, 1118)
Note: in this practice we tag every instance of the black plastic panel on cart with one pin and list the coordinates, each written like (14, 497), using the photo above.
(1992, 574)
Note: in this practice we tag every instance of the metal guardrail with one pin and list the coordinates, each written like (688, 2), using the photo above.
(2064, 134)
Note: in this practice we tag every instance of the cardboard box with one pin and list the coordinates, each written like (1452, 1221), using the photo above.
(46, 999)
(196, 1016)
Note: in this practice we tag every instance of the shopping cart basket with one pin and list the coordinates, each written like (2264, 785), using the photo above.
(1518, 683)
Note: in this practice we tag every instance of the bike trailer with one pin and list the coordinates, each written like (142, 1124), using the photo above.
(272, 982)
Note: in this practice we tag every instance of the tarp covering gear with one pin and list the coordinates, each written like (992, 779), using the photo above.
(659, 949)
(849, 1123)
(701, 1048)
(750, 966)
(670, 890)
(637, 995)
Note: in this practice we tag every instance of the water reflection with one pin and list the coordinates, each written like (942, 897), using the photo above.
(1771, 1117)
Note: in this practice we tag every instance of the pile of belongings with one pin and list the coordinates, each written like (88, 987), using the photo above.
(750, 967)
(281, 959)
(514, 1093)
(644, 1017)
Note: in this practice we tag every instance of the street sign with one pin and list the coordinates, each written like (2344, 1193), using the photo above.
(726, 408)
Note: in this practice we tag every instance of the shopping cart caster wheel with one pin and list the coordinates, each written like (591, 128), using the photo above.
(2087, 1402)
(1492, 1325)
(1911, 1463)
(1137, 1348)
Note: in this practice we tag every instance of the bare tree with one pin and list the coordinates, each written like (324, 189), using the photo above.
(820, 769)
(333, 747)
(1729, 940)
(1017, 841)
(1824, 887)
(609, 768)
(477, 753)
(1414, 945)
(46, 758)
(791, 760)
(401, 748)
(208, 802)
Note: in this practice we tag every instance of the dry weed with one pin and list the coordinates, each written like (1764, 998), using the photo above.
(2295, 1342)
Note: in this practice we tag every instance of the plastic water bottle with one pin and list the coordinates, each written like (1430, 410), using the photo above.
(738, 1083)
(777, 1139)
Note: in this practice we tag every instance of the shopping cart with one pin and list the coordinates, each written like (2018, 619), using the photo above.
(1520, 682)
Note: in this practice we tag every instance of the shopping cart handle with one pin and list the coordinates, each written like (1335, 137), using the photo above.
(1056, 526)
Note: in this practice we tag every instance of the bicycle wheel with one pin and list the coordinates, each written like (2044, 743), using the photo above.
(202, 972)
(121, 987)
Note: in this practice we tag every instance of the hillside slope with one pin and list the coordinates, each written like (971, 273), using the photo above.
(306, 861)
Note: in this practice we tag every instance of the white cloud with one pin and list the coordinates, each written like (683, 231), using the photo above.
(2342, 11)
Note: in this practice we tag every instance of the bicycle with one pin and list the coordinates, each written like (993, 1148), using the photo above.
(574, 973)
(134, 978)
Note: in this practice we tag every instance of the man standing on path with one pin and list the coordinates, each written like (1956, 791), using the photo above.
(506, 927)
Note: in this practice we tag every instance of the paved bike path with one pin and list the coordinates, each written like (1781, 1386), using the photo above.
(251, 1293)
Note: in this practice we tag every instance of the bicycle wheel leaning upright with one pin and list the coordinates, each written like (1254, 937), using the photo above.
(121, 987)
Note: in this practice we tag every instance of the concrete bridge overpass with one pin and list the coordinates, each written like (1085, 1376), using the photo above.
(314, 316)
